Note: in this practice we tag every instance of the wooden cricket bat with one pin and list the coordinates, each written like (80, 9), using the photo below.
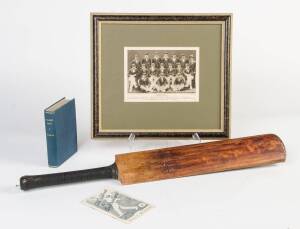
(188, 160)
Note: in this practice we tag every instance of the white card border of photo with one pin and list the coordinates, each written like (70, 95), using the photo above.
(135, 216)
(162, 97)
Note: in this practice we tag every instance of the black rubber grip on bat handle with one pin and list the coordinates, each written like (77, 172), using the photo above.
(30, 182)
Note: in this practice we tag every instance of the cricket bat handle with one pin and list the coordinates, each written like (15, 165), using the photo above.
(37, 181)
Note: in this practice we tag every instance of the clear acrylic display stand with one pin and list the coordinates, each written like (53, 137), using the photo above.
(132, 137)
(196, 137)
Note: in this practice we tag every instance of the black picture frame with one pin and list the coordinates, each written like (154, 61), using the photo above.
(226, 18)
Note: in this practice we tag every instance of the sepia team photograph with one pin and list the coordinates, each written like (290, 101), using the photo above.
(160, 74)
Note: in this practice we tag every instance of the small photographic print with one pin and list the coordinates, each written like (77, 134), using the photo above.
(117, 205)
(161, 74)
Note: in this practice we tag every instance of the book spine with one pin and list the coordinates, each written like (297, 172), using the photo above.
(51, 138)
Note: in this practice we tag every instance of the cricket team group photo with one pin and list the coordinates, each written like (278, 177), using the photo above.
(161, 71)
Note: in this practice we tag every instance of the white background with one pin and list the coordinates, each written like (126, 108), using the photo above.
(45, 55)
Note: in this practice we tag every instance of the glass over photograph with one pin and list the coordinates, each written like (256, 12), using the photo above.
(161, 74)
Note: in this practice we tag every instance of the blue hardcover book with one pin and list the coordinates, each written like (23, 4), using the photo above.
(60, 123)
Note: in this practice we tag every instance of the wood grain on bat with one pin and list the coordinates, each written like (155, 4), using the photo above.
(199, 158)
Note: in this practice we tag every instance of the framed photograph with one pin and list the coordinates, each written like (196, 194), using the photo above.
(161, 75)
